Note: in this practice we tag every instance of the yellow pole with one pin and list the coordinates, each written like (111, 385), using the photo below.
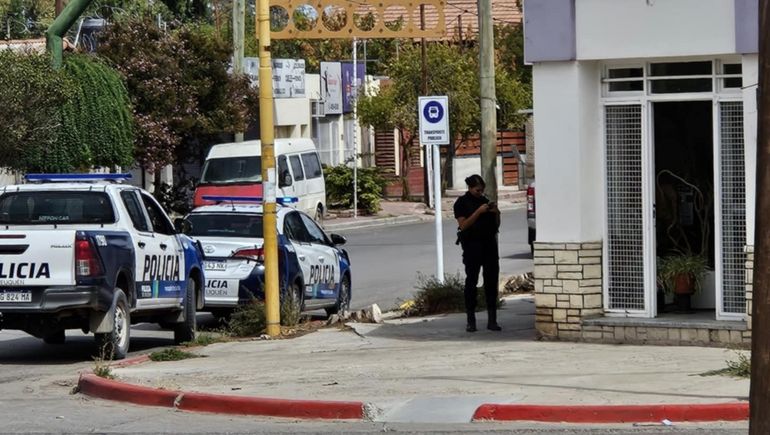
(266, 127)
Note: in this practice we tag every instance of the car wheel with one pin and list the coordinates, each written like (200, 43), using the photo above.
(55, 337)
(299, 295)
(114, 344)
(343, 299)
(186, 329)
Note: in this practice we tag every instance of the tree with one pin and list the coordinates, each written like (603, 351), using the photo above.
(31, 93)
(179, 87)
(453, 72)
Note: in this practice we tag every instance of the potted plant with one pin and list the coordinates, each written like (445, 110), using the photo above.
(682, 275)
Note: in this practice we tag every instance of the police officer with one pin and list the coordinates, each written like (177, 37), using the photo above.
(478, 220)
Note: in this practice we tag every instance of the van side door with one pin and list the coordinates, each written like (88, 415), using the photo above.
(300, 185)
(314, 181)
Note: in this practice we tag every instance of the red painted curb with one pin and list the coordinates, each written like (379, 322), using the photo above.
(310, 409)
(733, 411)
(131, 361)
(95, 386)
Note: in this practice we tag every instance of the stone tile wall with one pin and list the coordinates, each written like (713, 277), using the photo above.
(568, 287)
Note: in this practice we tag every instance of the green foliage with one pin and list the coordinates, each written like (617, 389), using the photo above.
(248, 320)
(179, 87)
(291, 309)
(671, 267)
(97, 126)
(204, 339)
(172, 354)
(740, 368)
(176, 197)
(31, 93)
(435, 297)
(24, 19)
(339, 187)
(509, 44)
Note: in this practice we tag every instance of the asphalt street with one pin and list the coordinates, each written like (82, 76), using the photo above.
(386, 260)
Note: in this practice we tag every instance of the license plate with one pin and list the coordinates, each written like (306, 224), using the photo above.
(219, 266)
(15, 297)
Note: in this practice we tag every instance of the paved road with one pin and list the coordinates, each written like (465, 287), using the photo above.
(386, 260)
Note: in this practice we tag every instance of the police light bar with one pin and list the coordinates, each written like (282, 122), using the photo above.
(249, 199)
(77, 177)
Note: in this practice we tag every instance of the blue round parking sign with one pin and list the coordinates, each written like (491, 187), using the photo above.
(433, 112)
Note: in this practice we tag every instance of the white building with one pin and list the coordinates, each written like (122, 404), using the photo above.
(627, 93)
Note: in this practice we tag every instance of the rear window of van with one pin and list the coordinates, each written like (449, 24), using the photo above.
(312, 165)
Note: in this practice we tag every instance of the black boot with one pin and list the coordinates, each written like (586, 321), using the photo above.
(471, 326)
(492, 321)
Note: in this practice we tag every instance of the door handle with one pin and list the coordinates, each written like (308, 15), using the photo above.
(142, 244)
(163, 246)
(301, 257)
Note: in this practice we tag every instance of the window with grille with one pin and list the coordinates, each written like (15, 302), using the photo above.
(625, 229)
(733, 231)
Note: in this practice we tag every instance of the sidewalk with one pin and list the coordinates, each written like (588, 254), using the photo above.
(395, 212)
(431, 370)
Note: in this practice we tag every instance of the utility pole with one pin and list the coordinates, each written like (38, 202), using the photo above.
(266, 128)
(354, 90)
(488, 98)
(239, 33)
(759, 395)
(424, 77)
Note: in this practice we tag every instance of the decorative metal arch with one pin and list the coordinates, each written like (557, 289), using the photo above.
(381, 11)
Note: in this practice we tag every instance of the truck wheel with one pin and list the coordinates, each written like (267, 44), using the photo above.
(343, 299)
(113, 345)
(55, 337)
(185, 330)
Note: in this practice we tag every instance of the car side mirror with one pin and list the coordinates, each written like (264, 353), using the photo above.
(285, 179)
(182, 225)
(338, 239)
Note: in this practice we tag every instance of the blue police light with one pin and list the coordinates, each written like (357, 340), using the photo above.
(249, 199)
(77, 177)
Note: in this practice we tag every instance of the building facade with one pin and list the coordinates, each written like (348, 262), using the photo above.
(645, 126)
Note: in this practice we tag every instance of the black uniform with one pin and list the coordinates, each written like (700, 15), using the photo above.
(479, 243)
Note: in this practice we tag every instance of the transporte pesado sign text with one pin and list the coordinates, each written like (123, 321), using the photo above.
(434, 120)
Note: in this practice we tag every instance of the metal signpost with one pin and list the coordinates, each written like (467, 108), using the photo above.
(434, 130)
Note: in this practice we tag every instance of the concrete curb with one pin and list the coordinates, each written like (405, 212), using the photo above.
(108, 389)
(96, 386)
(733, 411)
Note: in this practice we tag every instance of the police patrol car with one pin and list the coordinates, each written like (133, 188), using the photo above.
(81, 251)
(310, 263)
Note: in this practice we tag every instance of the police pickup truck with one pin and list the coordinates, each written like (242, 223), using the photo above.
(82, 251)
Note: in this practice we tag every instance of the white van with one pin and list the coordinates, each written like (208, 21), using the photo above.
(235, 169)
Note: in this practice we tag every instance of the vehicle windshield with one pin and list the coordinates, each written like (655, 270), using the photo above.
(225, 225)
(246, 169)
(55, 207)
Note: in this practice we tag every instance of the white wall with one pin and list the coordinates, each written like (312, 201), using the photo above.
(750, 80)
(463, 167)
(568, 165)
(617, 29)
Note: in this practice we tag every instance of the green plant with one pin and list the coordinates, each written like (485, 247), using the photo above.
(339, 187)
(740, 368)
(435, 297)
(674, 269)
(248, 320)
(172, 354)
(102, 365)
(291, 310)
(176, 197)
(203, 339)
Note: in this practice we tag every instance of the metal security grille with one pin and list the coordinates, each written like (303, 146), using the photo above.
(625, 231)
(733, 186)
